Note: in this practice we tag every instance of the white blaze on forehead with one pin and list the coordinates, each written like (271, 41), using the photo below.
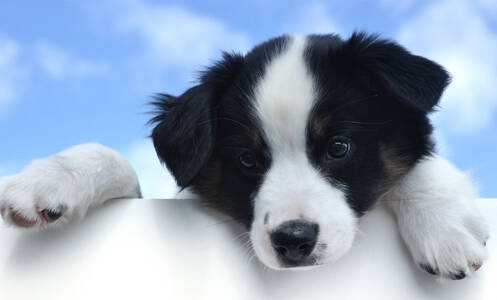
(285, 96)
(292, 187)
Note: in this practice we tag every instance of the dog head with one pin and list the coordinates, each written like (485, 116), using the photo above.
(299, 137)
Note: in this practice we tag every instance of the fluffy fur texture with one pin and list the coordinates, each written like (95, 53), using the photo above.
(62, 187)
(296, 140)
(438, 219)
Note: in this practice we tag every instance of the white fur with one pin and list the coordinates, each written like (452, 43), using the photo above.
(293, 188)
(284, 98)
(438, 219)
(77, 178)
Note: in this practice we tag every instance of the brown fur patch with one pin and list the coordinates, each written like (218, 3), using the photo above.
(393, 163)
(319, 126)
(255, 137)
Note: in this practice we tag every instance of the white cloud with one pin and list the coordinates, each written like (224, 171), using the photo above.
(167, 39)
(490, 6)
(58, 63)
(457, 35)
(12, 73)
(174, 35)
(155, 180)
(314, 17)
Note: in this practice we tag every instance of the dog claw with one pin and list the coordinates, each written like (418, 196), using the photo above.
(428, 269)
(52, 215)
(459, 276)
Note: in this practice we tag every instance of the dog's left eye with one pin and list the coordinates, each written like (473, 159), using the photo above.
(338, 147)
(248, 160)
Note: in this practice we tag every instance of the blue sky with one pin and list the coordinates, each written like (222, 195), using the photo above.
(80, 71)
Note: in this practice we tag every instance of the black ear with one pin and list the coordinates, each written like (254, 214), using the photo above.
(184, 134)
(412, 79)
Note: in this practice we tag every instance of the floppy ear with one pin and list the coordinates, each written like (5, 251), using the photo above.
(412, 79)
(184, 134)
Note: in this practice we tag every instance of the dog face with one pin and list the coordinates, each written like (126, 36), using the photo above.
(298, 138)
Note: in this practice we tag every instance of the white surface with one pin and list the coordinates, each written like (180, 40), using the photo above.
(174, 249)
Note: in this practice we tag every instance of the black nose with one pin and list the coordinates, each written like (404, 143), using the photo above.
(294, 240)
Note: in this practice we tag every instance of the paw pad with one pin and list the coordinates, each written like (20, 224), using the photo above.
(47, 215)
(20, 220)
(477, 266)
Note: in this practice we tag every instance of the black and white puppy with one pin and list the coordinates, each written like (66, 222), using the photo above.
(296, 140)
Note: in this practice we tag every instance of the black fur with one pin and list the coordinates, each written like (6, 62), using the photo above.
(412, 79)
(371, 91)
(377, 94)
(184, 135)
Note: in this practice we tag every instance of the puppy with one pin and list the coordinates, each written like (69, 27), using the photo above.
(296, 140)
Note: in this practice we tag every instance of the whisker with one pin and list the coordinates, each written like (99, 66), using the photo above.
(364, 122)
(242, 235)
(221, 222)
(226, 119)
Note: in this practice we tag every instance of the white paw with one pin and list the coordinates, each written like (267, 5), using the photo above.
(34, 200)
(46, 194)
(439, 220)
(56, 189)
(450, 247)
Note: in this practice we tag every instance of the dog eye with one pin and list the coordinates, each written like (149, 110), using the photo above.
(248, 160)
(338, 147)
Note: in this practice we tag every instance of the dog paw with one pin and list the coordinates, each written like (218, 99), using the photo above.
(33, 200)
(450, 250)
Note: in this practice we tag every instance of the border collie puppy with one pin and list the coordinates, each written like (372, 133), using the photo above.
(296, 140)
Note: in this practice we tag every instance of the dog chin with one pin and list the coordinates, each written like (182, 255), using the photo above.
(280, 266)
(311, 264)
(297, 268)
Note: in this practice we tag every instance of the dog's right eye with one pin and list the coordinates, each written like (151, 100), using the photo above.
(248, 161)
